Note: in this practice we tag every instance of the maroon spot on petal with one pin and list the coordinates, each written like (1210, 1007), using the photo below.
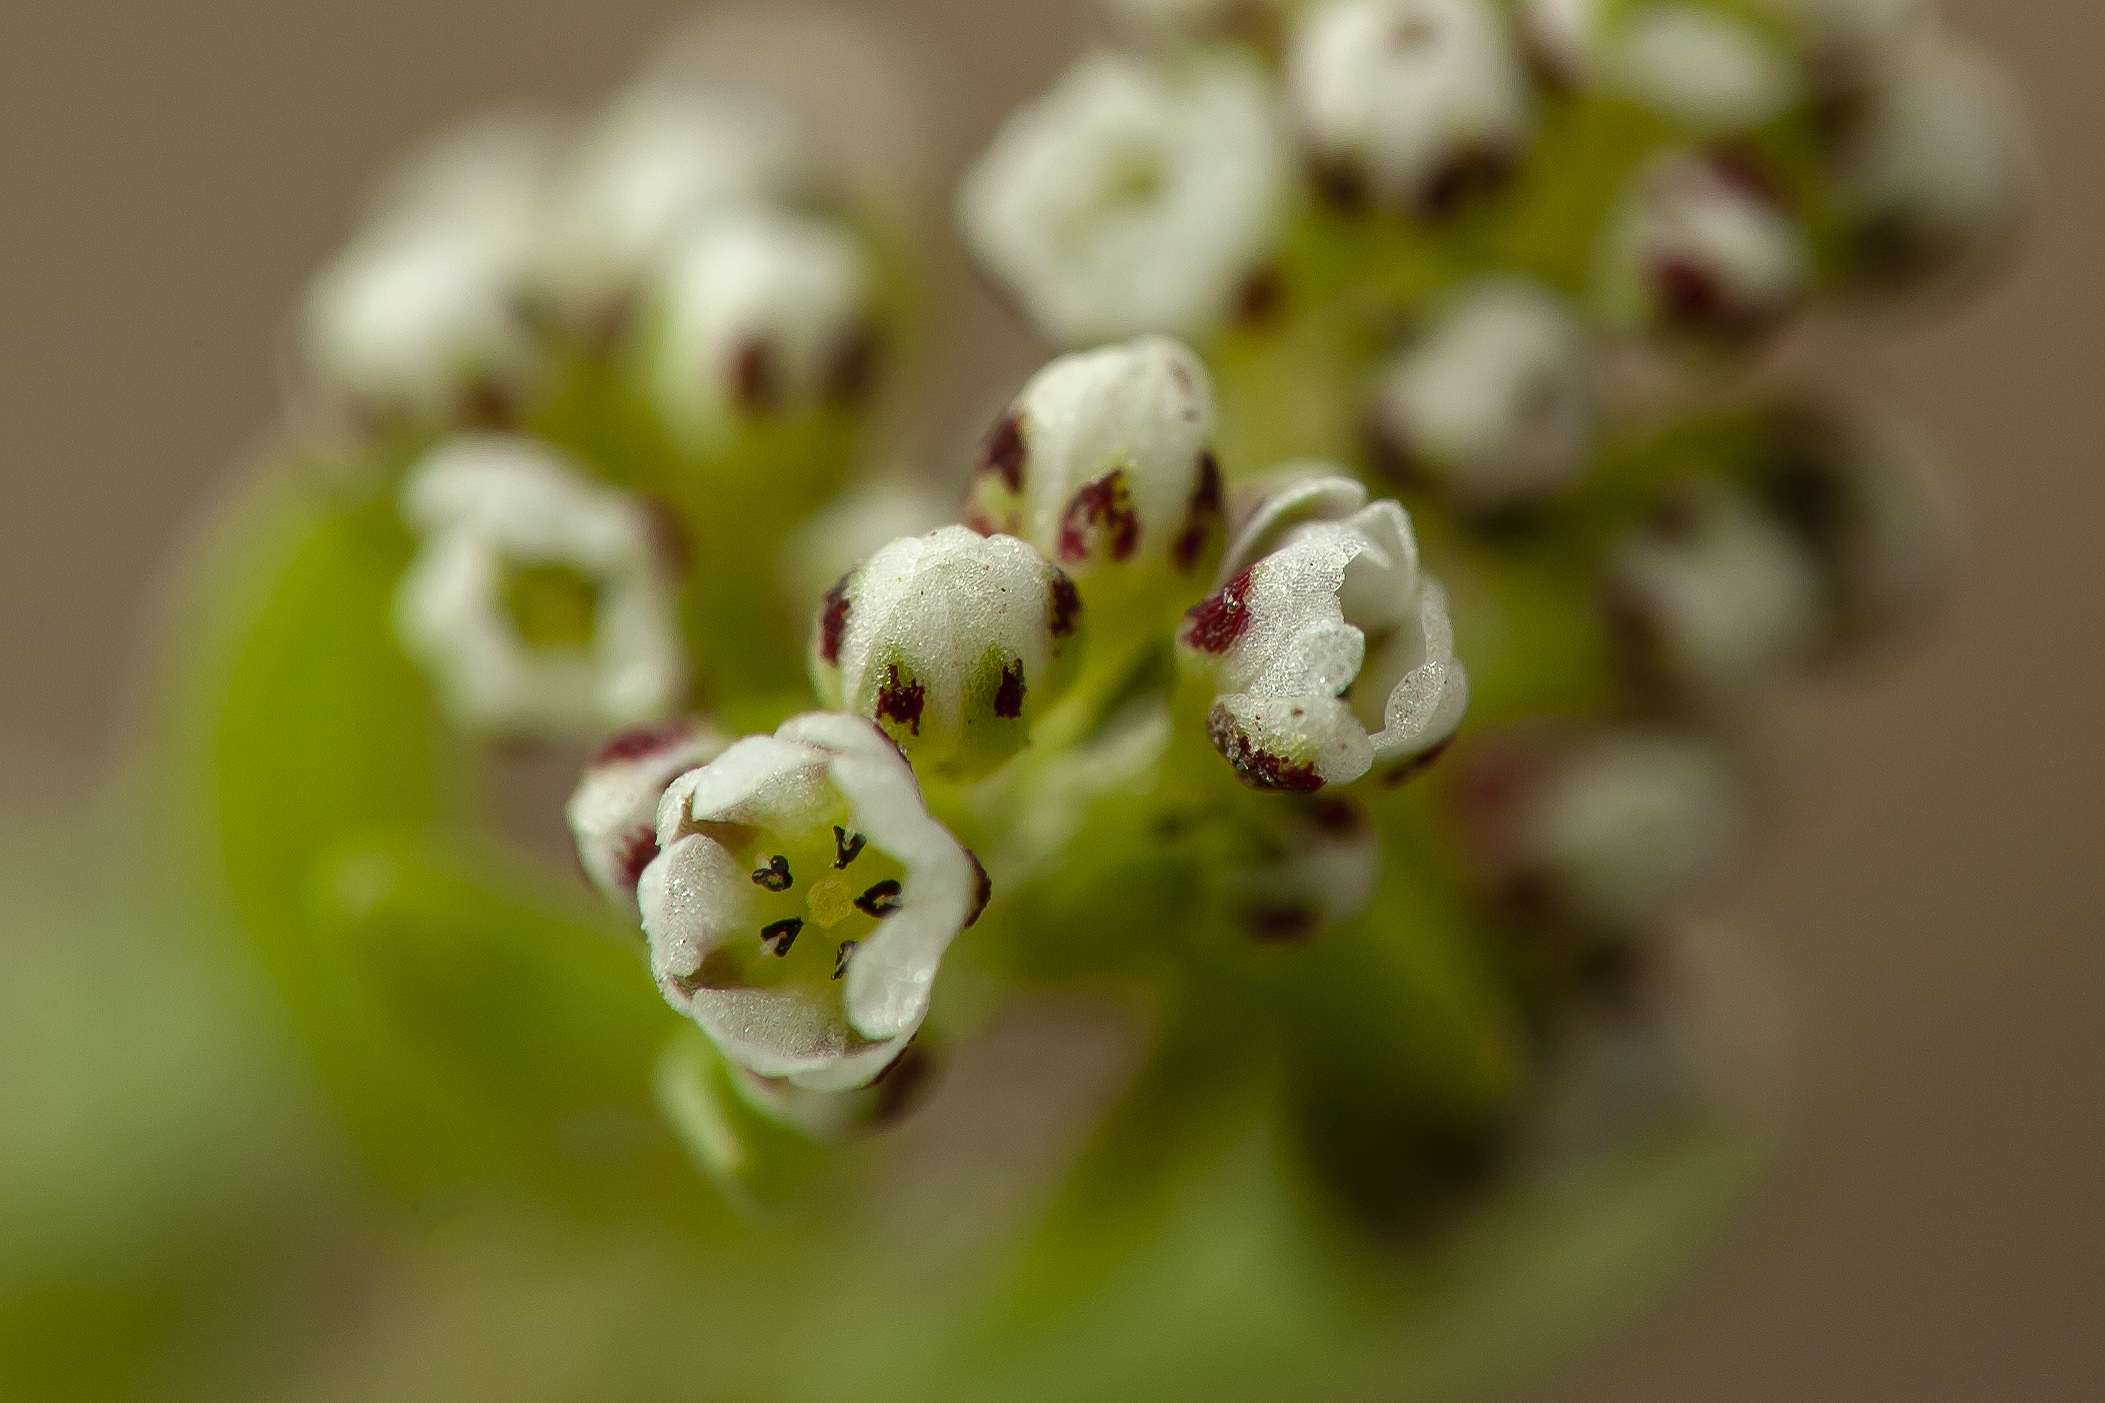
(1066, 604)
(1690, 294)
(1100, 514)
(901, 702)
(634, 851)
(1215, 622)
(982, 892)
(1417, 765)
(852, 368)
(641, 741)
(1005, 451)
(1008, 697)
(755, 379)
(1467, 174)
(833, 621)
(1744, 171)
(977, 519)
(1205, 511)
(1279, 922)
(1260, 769)
(1259, 300)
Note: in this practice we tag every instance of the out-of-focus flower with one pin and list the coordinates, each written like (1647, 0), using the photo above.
(952, 642)
(1860, 495)
(803, 899)
(760, 313)
(1330, 650)
(1496, 402)
(1132, 198)
(423, 314)
(1931, 174)
(1102, 463)
(1613, 831)
(664, 157)
(1701, 248)
(539, 601)
(1410, 103)
(613, 812)
(1712, 596)
(849, 529)
(1699, 64)
(1313, 864)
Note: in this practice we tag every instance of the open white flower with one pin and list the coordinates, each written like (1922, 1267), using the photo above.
(1103, 462)
(1713, 596)
(1612, 830)
(613, 812)
(1132, 198)
(1412, 103)
(1331, 651)
(953, 642)
(803, 899)
(1932, 177)
(539, 600)
(1698, 64)
(665, 157)
(423, 311)
(1496, 402)
(759, 313)
(1701, 247)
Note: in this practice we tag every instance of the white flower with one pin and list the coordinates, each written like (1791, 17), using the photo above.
(423, 310)
(760, 313)
(1614, 830)
(1313, 864)
(803, 899)
(613, 812)
(1700, 247)
(539, 600)
(1713, 596)
(1496, 401)
(1933, 176)
(1413, 103)
(663, 158)
(1705, 68)
(1132, 199)
(1102, 461)
(1330, 650)
(953, 642)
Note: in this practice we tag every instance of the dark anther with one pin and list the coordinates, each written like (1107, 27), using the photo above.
(774, 876)
(1066, 603)
(779, 936)
(842, 956)
(1008, 697)
(1100, 511)
(1215, 622)
(846, 846)
(880, 901)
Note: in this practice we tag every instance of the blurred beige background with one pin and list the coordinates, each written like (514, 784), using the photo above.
(172, 172)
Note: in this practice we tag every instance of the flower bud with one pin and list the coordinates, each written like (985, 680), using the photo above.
(1712, 597)
(1931, 178)
(1413, 104)
(1102, 462)
(1132, 199)
(1496, 403)
(613, 812)
(952, 642)
(540, 601)
(1609, 831)
(1701, 249)
(664, 158)
(1711, 71)
(422, 314)
(802, 901)
(760, 314)
(1330, 650)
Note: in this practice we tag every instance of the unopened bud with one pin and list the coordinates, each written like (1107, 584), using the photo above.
(613, 813)
(953, 642)
(1496, 402)
(1413, 104)
(1711, 71)
(1330, 650)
